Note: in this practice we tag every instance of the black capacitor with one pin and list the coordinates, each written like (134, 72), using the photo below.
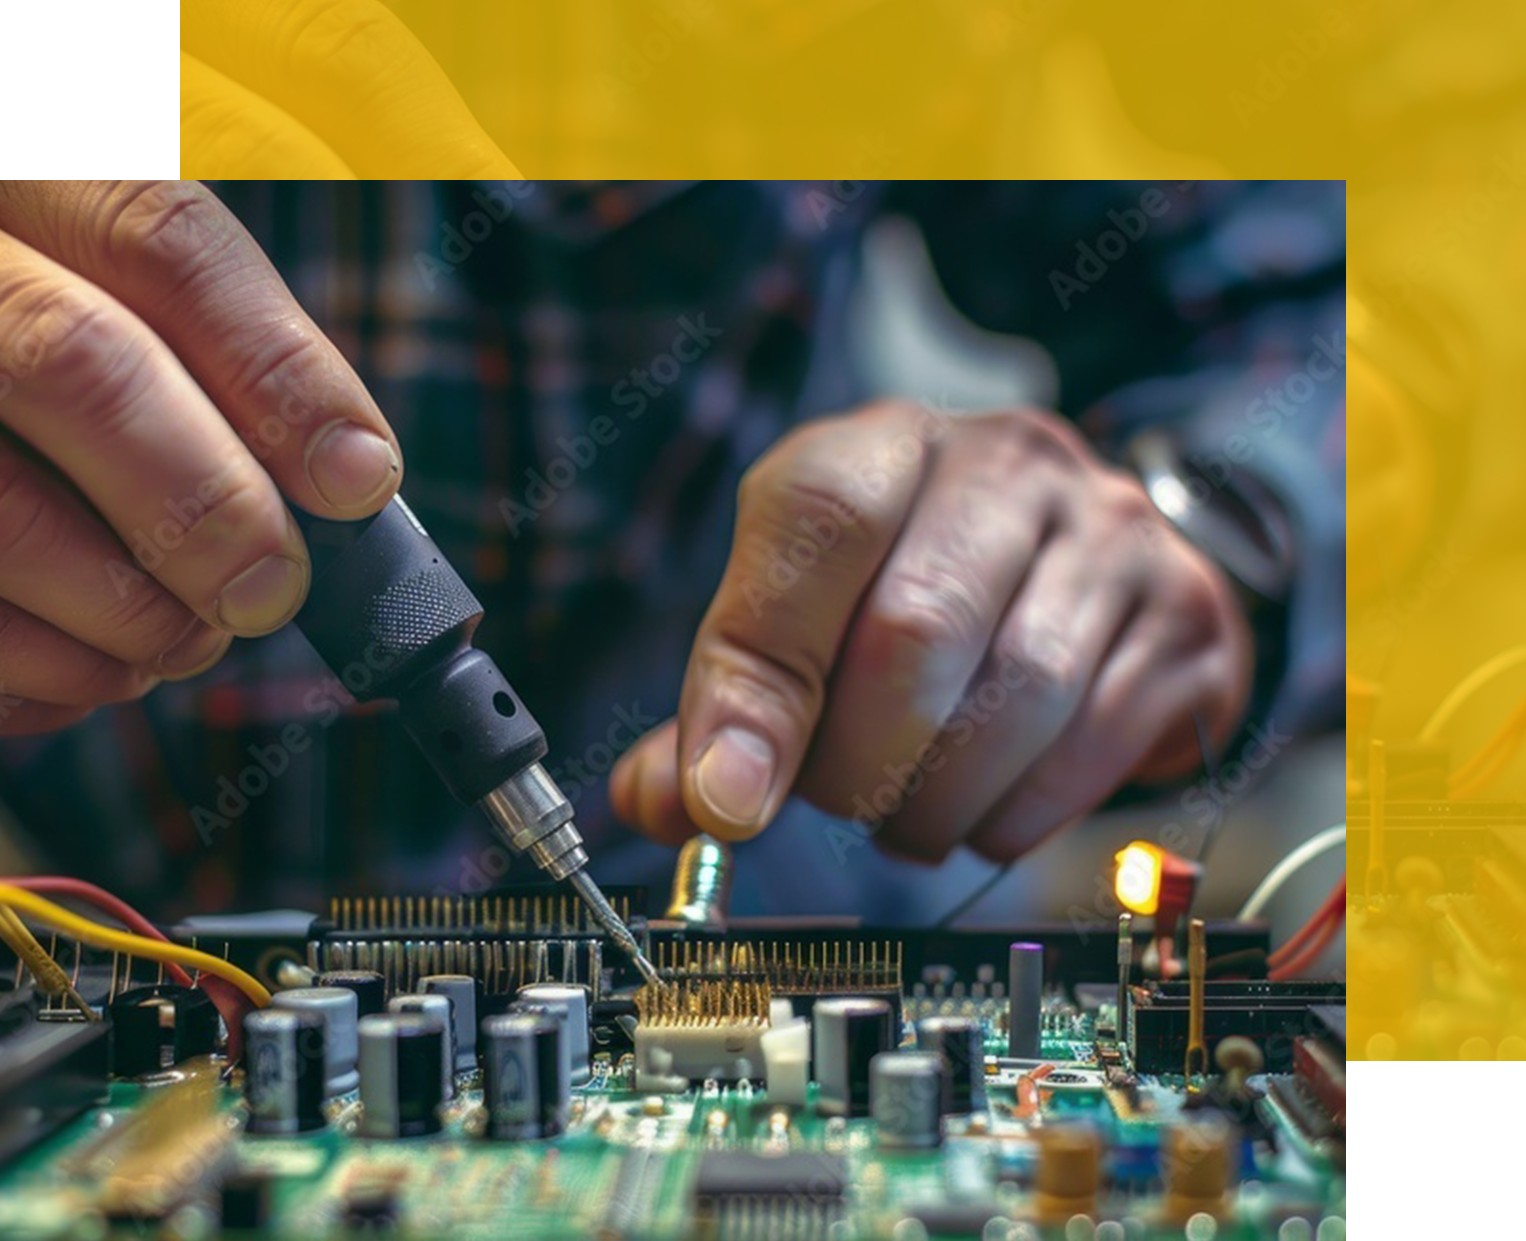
(400, 1086)
(525, 1086)
(155, 1028)
(285, 1054)
(370, 988)
(849, 1033)
(962, 1046)
(244, 1201)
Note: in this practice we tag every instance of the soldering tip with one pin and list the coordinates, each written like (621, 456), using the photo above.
(612, 924)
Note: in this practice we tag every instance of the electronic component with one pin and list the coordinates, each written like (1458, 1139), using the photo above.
(1025, 999)
(1271, 1013)
(437, 1008)
(787, 1060)
(1125, 967)
(284, 1076)
(369, 987)
(1195, 1063)
(461, 990)
(691, 1030)
(525, 1090)
(400, 1091)
(50, 1072)
(1069, 1171)
(574, 1000)
(157, 1027)
(339, 1009)
(701, 884)
(906, 1098)
(959, 1041)
(849, 1033)
(798, 1194)
(1197, 1159)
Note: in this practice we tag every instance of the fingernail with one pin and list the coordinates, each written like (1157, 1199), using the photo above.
(349, 465)
(196, 650)
(264, 597)
(734, 773)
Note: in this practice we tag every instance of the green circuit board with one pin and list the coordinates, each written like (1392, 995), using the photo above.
(628, 1165)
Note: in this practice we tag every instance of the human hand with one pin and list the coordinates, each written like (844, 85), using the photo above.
(159, 390)
(956, 629)
(320, 88)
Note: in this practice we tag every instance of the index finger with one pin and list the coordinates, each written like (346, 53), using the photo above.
(176, 257)
(815, 520)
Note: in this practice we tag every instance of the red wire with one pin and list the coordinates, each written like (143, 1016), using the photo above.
(103, 900)
(1334, 904)
(1310, 954)
(229, 1000)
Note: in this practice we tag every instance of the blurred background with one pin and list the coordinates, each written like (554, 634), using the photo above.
(493, 321)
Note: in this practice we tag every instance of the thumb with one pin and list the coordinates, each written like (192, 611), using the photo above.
(644, 788)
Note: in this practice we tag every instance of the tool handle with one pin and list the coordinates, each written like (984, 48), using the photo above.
(393, 619)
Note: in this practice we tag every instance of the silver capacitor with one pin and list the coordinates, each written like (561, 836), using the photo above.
(400, 1056)
(848, 1034)
(462, 990)
(906, 1090)
(1025, 1002)
(441, 1009)
(525, 1091)
(284, 1065)
(340, 1011)
(702, 884)
(961, 1043)
(574, 1002)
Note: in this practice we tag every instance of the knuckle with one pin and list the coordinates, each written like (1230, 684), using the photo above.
(147, 620)
(27, 518)
(86, 354)
(232, 513)
(176, 227)
(928, 613)
(347, 37)
(1028, 435)
(1040, 666)
(783, 681)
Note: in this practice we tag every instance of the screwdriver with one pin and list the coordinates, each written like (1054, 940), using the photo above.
(393, 620)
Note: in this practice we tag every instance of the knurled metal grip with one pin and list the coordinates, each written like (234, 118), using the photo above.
(393, 619)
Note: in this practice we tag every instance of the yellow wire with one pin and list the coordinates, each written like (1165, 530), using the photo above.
(99, 936)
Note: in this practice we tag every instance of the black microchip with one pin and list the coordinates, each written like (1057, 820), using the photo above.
(808, 1176)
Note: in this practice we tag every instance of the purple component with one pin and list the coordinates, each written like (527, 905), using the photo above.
(1025, 992)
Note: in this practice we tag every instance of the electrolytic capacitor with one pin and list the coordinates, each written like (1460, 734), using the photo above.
(462, 991)
(575, 1001)
(525, 1091)
(284, 1059)
(554, 1011)
(400, 1075)
(156, 1027)
(438, 1007)
(340, 1009)
(370, 988)
(906, 1090)
(849, 1033)
(960, 1042)
(1025, 1000)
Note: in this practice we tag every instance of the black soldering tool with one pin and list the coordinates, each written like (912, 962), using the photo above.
(393, 620)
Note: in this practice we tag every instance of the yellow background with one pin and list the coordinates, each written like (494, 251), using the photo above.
(1417, 106)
